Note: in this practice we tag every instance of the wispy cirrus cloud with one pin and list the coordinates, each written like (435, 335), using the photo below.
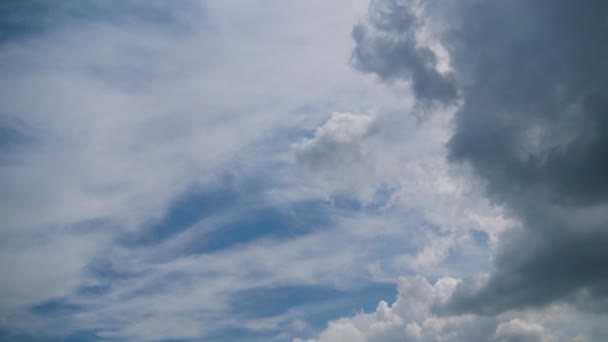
(148, 157)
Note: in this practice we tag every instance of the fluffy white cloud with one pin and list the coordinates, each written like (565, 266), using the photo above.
(394, 152)
(404, 320)
(337, 141)
(516, 330)
(411, 318)
(394, 160)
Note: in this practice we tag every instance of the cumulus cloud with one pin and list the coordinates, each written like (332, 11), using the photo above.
(337, 141)
(394, 162)
(516, 330)
(410, 318)
(394, 159)
(532, 125)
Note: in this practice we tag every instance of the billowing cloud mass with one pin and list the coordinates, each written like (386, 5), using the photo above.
(532, 77)
(410, 318)
(388, 44)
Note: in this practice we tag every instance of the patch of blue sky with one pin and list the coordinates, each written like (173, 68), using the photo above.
(315, 305)
(107, 275)
(106, 269)
(189, 208)
(77, 336)
(59, 310)
(242, 335)
(10, 136)
(285, 222)
(81, 336)
(15, 137)
(20, 18)
(250, 216)
(325, 301)
(348, 303)
(93, 290)
(347, 201)
(480, 237)
(55, 308)
(23, 17)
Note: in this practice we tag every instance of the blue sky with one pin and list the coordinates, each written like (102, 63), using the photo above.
(235, 171)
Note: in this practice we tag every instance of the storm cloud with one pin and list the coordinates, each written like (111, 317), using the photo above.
(387, 44)
(533, 125)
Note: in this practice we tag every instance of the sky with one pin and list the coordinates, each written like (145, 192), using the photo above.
(303, 171)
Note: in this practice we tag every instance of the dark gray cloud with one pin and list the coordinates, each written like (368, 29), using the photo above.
(534, 117)
(533, 76)
(534, 126)
(386, 45)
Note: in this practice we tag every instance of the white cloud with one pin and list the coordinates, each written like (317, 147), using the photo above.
(338, 141)
(403, 320)
(364, 154)
(119, 120)
(516, 330)
(54, 262)
(411, 318)
(357, 250)
(397, 162)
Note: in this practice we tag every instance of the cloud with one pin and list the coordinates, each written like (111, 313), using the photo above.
(57, 264)
(542, 129)
(388, 44)
(532, 126)
(206, 287)
(337, 141)
(113, 116)
(393, 160)
(411, 318)
(516, 330)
